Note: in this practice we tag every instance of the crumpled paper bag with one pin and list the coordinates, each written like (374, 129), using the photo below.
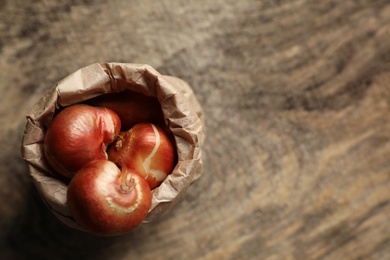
(182, 113)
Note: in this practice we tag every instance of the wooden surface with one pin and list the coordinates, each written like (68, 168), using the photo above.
(297, 99)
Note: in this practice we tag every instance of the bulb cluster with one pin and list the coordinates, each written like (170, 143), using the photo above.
(113, 160)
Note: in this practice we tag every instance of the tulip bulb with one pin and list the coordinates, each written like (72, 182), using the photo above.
(106, 200)
(132, 107)
(147, 149)
(77, 135)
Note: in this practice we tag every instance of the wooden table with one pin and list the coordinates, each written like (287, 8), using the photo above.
(296, 96)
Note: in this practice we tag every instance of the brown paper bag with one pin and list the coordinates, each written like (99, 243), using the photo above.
(182, 113)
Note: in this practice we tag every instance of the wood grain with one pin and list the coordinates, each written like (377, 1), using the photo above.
(296, 96)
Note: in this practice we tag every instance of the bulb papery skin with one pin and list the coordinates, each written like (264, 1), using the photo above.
(100, 205)
(132, 108)
(79, 134)
(147, 149)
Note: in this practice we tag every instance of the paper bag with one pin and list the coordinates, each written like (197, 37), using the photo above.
(182, 115)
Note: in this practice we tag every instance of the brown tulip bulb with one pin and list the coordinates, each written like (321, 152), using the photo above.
(132, 108)
(106, 200)
(147, 149)
(77, 135)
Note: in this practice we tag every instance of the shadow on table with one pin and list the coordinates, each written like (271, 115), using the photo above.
(37, 234)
